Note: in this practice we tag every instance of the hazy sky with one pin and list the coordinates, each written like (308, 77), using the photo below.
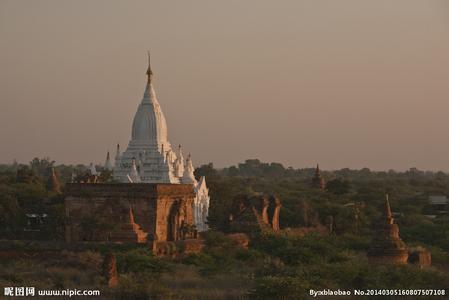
(346, 83)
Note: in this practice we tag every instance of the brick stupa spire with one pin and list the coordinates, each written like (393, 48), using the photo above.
(53, 184)
(318, 180)
(387, 246)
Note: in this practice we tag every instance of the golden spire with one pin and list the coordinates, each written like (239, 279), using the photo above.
(149, 72)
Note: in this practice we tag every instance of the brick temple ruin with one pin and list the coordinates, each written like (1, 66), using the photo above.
(254, 213)
(134, 212)
(388, 248)
(259, 212)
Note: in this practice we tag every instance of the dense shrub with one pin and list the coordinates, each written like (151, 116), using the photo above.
(140, 261)
(271, 287)
(310, 249)
(140, 287)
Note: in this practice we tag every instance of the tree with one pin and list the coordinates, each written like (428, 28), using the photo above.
(42, 166)
(27, 175)
(12, 217)
(338, 186)
(206, 170)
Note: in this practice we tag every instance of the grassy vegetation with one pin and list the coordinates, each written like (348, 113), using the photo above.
(273, 267)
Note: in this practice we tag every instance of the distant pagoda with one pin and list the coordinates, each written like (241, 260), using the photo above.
(387, 246)
(317, 180)
(53, 184)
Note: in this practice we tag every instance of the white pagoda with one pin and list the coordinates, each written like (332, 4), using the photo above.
(149, 157)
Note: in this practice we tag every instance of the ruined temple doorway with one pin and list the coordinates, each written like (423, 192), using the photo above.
(173, 222)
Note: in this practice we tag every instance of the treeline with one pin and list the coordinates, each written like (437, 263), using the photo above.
(256, 168)
(27, 202)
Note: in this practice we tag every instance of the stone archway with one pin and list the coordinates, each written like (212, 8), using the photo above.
(175, 220)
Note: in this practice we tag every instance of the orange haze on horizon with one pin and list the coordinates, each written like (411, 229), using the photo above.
(347, 83)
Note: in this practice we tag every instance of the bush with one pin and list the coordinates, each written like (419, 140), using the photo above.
(310, 249)
(140, 261)
(138, 287)
(270, 287)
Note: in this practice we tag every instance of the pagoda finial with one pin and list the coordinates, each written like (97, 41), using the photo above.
(117, 153)
(149, 72)
(317, 170)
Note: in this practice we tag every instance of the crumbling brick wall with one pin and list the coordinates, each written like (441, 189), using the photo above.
(127, 211)
(254, 213)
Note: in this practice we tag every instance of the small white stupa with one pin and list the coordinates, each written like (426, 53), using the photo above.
(134, 176)
(108, 163)
(92, 169)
